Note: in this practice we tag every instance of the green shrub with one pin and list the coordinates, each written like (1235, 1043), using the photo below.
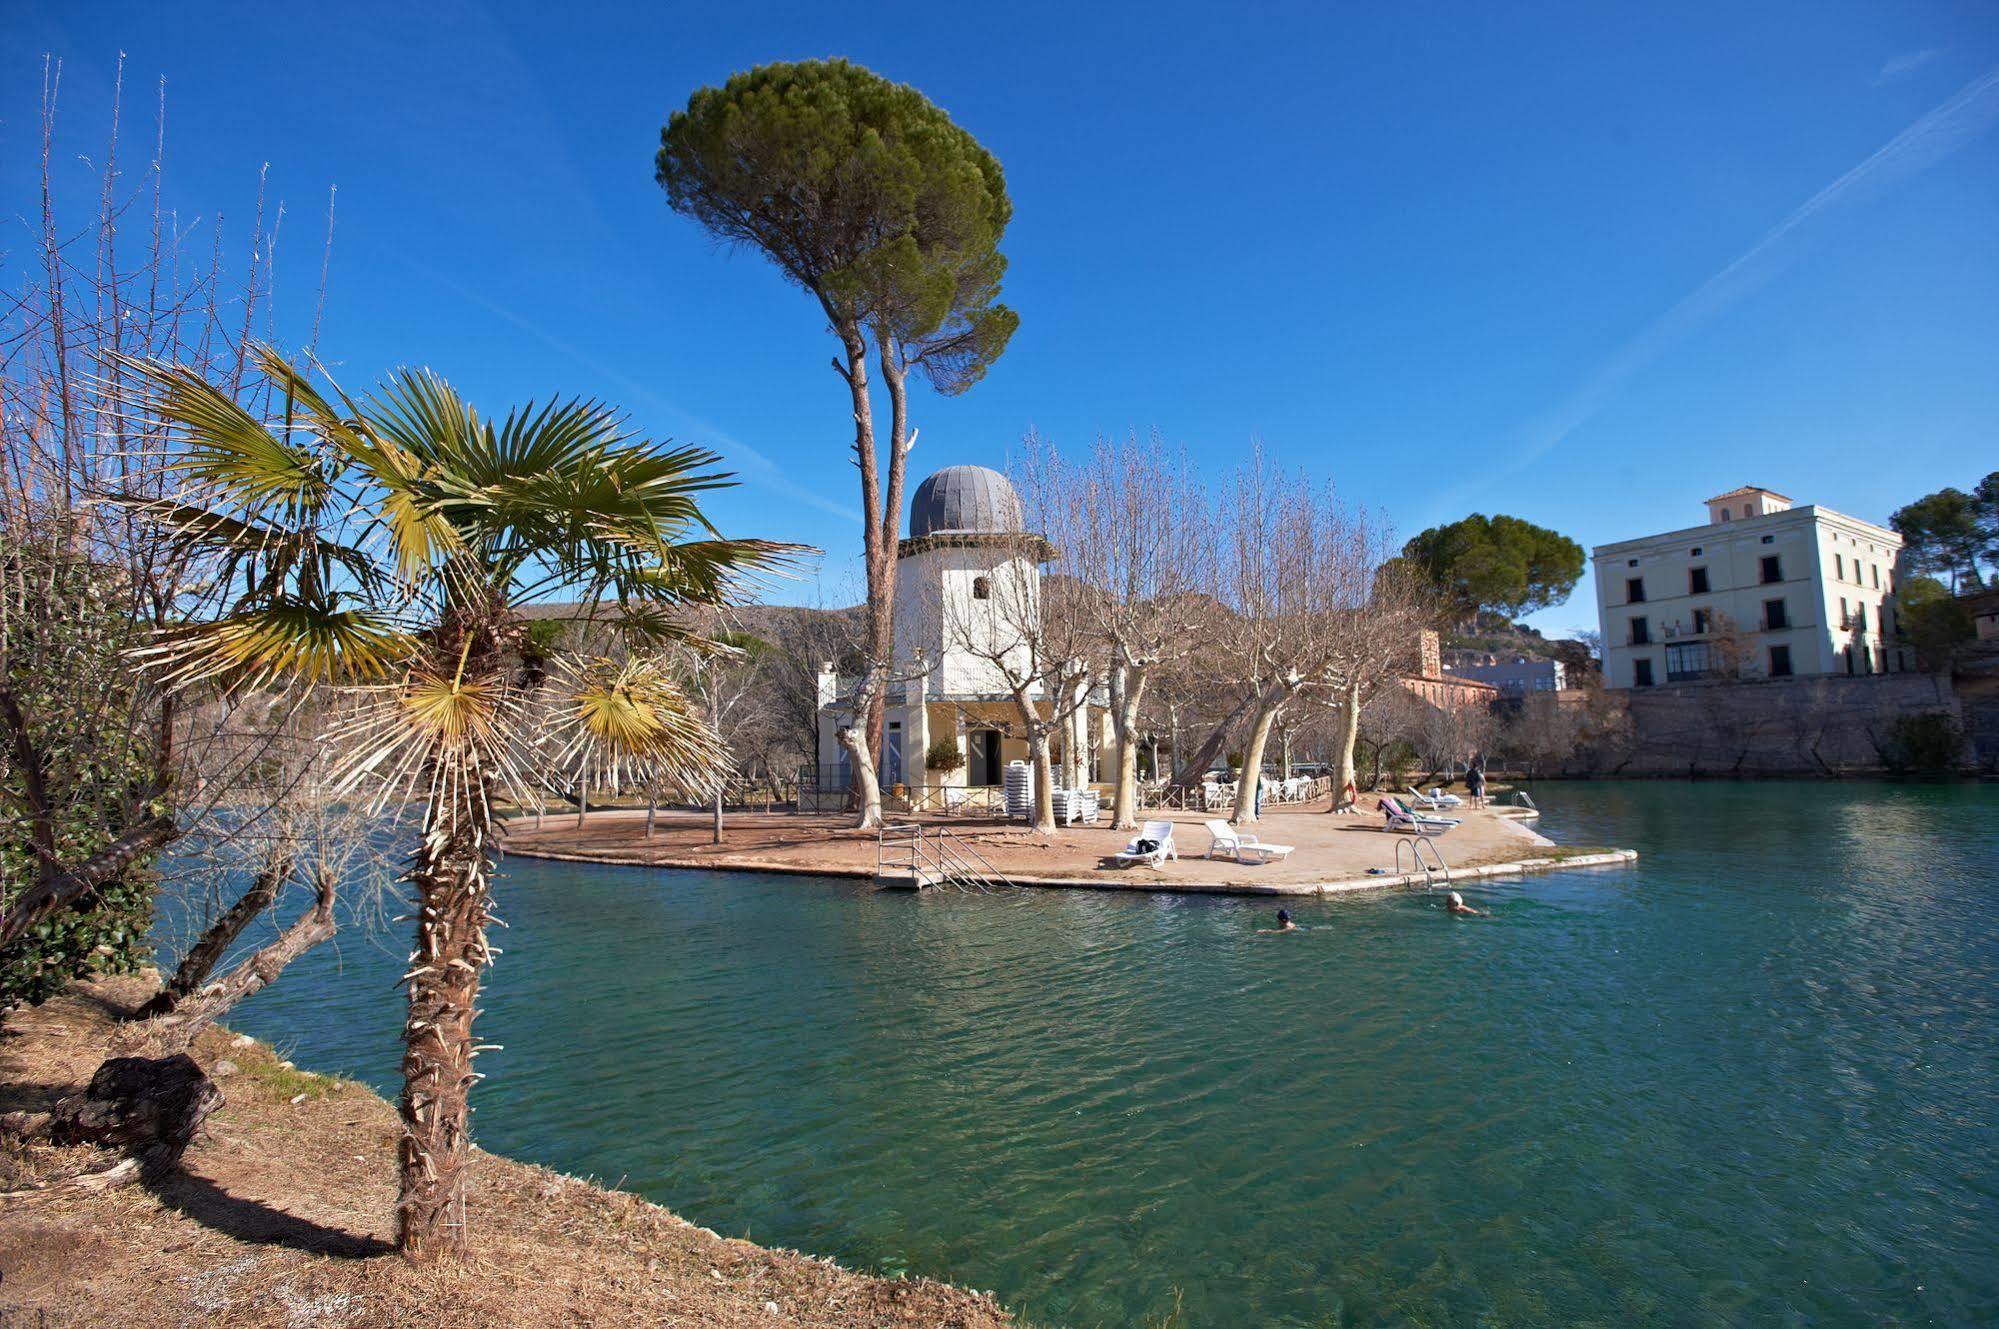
(90, 725)
(943, 755)
(1926, 744)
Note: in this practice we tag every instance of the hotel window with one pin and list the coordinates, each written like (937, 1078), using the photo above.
(1773, 569)
(1641, 673)
(1746, 510)
(1701, 623)
(1695, 551)
(1634, 590)
(1697, 581)
(1641, 632)
(1686, 663)
(1769, 539)
(1838, 568)
(1845, 617)
(1874, 571)
(1860, 618)
(1775, 618)
(1724, 514)
(982, 589)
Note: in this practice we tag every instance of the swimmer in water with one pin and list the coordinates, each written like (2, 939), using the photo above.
(1284, 924)
(1455, 904)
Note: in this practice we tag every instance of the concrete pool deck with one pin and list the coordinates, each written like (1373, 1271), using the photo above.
(1331, 854)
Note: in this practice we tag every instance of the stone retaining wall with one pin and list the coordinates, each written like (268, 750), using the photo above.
(1815, 726)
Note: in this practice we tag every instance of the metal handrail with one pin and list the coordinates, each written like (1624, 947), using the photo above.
(957, 860)
(906, 842)
(1416, 845)
(905, 847)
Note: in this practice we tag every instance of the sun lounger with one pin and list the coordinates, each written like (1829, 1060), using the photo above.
(1242, 846)
(1399, 818)
(1433, 801)
(1160, 833)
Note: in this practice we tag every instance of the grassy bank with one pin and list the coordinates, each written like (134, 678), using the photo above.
(283, 1216)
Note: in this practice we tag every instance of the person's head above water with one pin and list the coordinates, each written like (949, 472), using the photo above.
(1454, 900)
(1284, 916)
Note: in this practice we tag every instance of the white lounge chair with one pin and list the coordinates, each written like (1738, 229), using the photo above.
(1399, 818)
(1243, 847)
(1434, 800)
(1161, 835)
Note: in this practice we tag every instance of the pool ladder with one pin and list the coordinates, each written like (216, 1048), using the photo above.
(907, 854)
(1432, 869)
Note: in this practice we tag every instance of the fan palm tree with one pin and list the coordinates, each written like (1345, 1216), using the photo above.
(387, 546)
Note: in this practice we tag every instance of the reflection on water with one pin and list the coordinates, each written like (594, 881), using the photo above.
(1750, 1081)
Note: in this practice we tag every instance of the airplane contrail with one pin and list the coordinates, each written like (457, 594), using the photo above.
(1931, 138)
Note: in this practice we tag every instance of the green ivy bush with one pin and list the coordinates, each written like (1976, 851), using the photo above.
(93, 725)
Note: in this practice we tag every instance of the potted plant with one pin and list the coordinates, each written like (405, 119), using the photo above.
(944, 755)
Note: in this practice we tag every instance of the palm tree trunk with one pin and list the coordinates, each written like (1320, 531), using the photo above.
(451, 879)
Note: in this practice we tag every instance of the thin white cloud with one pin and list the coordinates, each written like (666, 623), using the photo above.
(1930, 139)
(1905, 64)
(760, 468)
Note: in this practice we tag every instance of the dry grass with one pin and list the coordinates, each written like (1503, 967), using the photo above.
(282, 1217)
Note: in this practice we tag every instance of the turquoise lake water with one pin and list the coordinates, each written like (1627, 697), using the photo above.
(1753, 1080)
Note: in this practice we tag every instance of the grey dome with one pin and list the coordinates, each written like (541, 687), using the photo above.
(965, 500)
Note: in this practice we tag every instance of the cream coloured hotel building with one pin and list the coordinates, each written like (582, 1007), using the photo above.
(1763, 590)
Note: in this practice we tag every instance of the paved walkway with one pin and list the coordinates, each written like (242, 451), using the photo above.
(1329, 852)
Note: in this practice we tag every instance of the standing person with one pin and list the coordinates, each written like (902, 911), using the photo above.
(1475, 782)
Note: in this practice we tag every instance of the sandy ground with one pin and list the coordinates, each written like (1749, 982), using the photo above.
(282, 1216)
(1326, 848)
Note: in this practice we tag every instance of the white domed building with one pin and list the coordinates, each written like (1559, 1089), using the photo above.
(968, 575)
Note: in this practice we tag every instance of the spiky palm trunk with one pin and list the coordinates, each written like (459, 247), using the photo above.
(452, 880)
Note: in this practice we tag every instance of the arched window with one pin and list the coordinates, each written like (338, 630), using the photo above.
(1724, 514)
(982, 588)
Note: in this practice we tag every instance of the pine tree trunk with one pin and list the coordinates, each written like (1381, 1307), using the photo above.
(451, 880)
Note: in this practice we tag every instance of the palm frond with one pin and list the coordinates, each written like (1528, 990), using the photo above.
(226, 446)
(446, 738)
(276, 550)
(629, 722)
(277, 640)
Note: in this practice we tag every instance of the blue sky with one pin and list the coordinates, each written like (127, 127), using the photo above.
(1579, 263)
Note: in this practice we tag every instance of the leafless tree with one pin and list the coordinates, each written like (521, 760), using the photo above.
(1130, 523)
(1031, 637)
(1294, 563)
(1373, 643)
(102, 768)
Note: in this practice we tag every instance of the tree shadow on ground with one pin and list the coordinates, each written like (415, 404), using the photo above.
(258, 1223)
